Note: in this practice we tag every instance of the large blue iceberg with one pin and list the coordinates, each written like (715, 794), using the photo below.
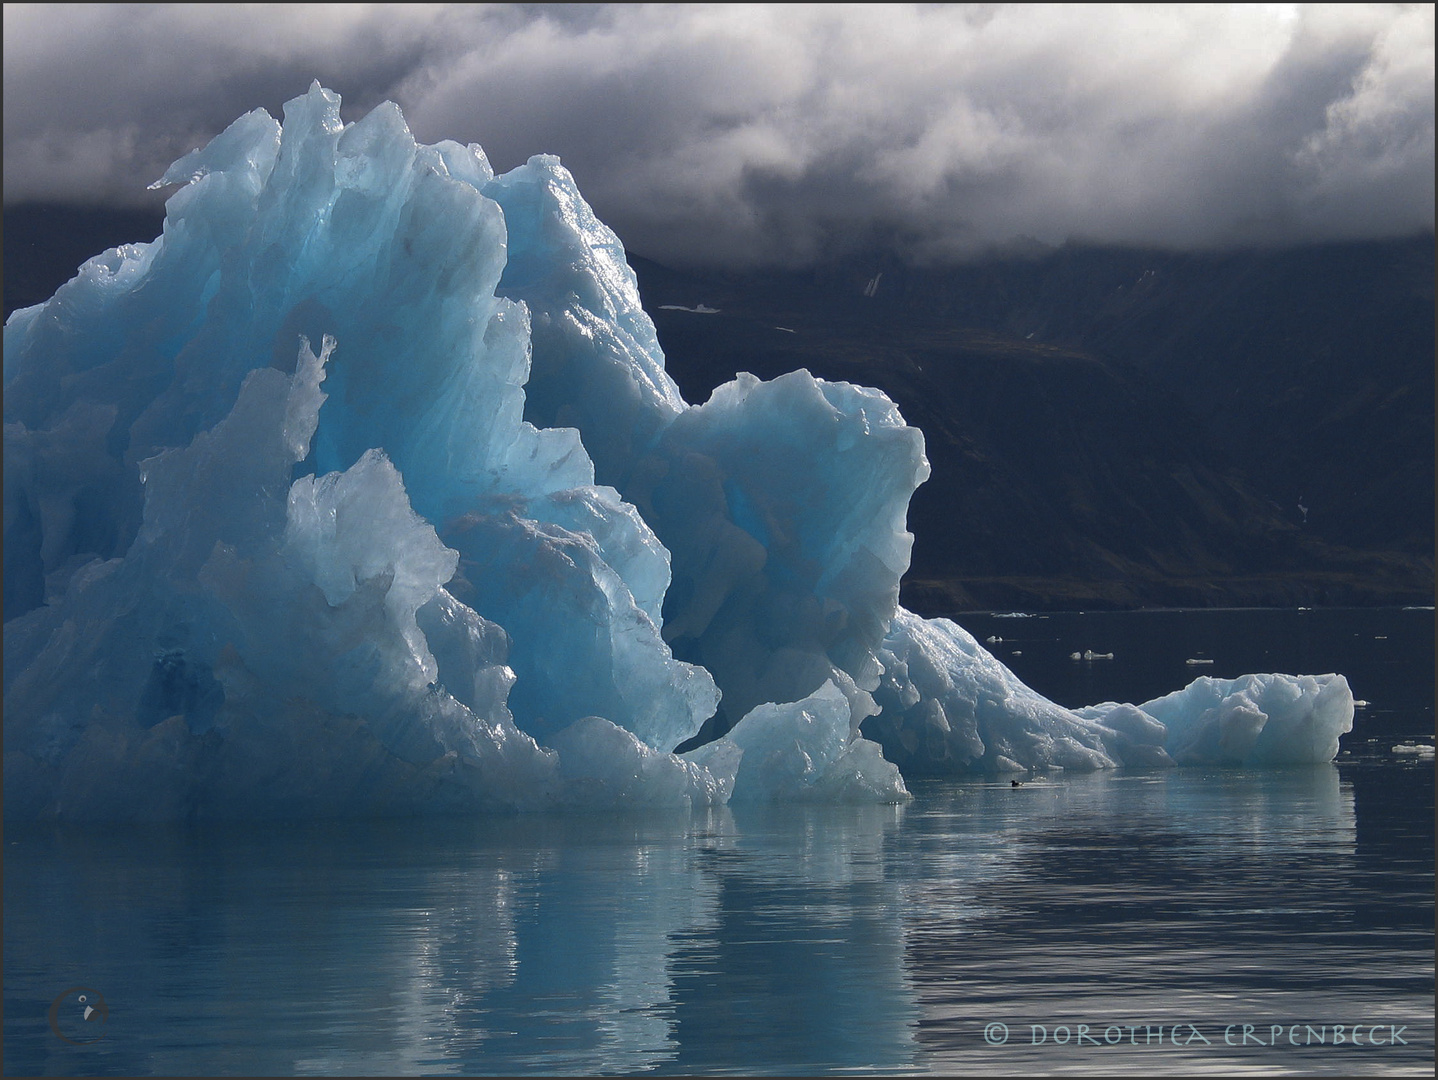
(363, 490)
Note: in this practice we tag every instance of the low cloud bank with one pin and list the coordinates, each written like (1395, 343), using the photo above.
(782, 134)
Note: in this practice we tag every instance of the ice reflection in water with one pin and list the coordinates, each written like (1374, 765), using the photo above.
(1130, 900)
(561, 944)
(802, 967)
(786, 939)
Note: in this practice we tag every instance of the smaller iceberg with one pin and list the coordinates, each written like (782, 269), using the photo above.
(1255, 720)
(948, 706)
(1416, 749)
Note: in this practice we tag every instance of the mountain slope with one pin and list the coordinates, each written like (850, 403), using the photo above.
(1114, 428)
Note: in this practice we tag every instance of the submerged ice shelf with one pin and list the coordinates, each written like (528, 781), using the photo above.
(363, 489)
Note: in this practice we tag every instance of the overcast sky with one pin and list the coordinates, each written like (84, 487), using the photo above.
(740, 135)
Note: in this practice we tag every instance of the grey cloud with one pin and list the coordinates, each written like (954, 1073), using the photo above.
(777, 133)
(100, 98)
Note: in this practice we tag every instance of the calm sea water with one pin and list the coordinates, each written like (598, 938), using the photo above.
(1220, 921)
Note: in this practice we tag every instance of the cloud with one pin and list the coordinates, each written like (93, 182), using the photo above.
(777, 133)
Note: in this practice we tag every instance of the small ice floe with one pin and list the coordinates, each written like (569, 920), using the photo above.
(1089, 654)
(702, 309)
(1418, 749)
(1017, 652)
(992, 640)
(1193, 661)
(786, 329)
(1013, 615)
(1359, 703)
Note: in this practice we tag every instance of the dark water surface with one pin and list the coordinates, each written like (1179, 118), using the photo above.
(1218, 921)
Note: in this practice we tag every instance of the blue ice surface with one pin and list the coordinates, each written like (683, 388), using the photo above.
(281, 541)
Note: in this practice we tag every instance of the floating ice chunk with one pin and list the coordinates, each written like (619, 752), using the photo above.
(948, 706)
(1252, 720)
(1420, 749)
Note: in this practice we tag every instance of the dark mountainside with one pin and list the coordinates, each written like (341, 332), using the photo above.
(1122, 428)
(1108, 428)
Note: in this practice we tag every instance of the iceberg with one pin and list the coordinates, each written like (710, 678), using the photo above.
(949, 706)
(363, 490)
